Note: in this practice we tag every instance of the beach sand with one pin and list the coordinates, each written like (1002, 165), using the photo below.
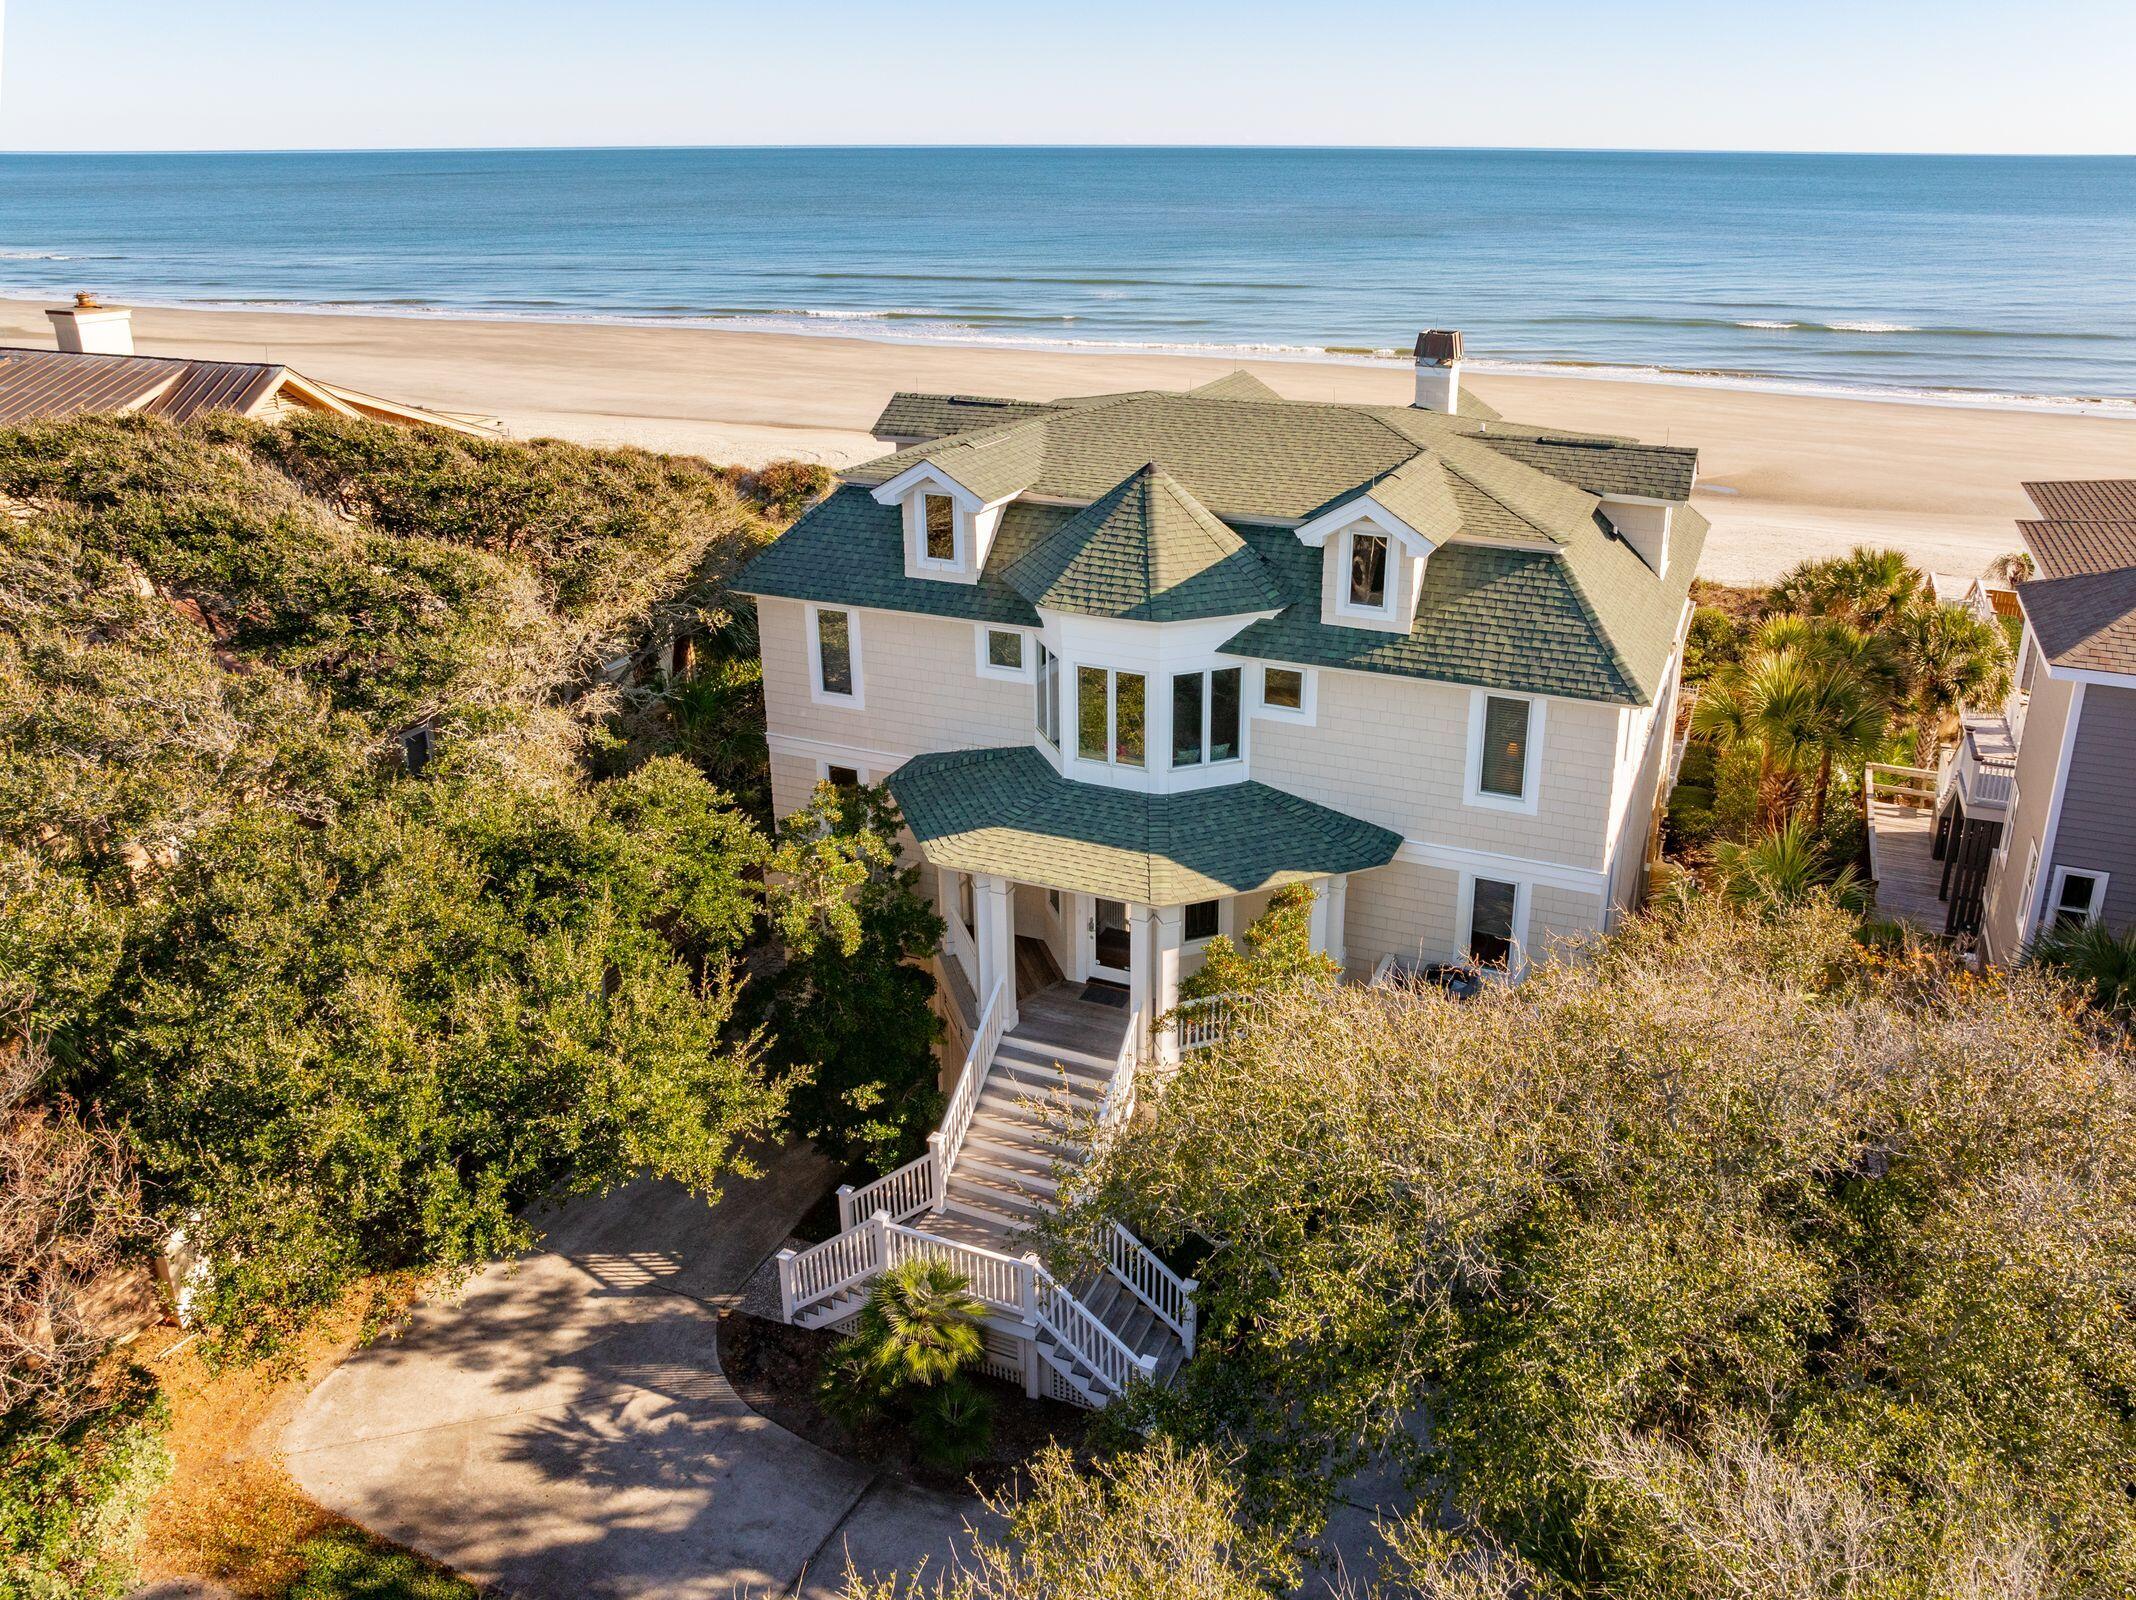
(1782, 476)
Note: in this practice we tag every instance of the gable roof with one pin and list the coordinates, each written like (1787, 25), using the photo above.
(930, 416)
(2082, 606)
(38, 383)
(1147, 551)
(993, 463)
(1239, 385)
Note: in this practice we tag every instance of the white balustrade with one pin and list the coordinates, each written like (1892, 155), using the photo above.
(1079, 1330)
(1156, 1285)
(1211, 1019)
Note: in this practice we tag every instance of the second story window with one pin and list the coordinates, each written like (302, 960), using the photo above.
(1048, 710)
(1368, 571)
(1505, 732)
(1205, 717)
(1109, 716)
(938, 516)
(834, 655)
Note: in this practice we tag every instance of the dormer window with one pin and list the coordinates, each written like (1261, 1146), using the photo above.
(1368, 571)
(938, 517)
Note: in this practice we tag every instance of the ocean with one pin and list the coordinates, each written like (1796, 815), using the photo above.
(1986, 278)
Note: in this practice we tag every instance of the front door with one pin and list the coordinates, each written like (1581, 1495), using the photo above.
(1109, 941)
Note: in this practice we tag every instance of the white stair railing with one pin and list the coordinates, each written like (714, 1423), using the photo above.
(1211, 1019)
(1079, 1331)
(922, 1183)
(1156, 1285)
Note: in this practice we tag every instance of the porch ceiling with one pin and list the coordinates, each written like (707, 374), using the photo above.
(1007, 812)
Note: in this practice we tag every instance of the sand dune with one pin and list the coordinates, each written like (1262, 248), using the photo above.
(1783, 476)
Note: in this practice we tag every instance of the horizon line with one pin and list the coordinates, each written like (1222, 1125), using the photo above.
(1122, 146)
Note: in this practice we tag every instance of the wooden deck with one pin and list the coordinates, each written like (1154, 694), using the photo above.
(1906, 873)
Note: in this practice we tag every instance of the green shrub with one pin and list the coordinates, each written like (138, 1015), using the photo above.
(349, 1565)
(916, 1338)
(71, 1503)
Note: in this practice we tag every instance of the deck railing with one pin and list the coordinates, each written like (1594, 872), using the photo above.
(1211, 1019)
(1902, 785)
(922, 1183)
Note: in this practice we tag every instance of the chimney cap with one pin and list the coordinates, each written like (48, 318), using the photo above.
(1439, 345)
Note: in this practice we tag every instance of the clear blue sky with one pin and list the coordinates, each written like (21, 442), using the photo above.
(2051, 76)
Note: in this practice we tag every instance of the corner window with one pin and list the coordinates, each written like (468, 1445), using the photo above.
(938, 518)
(1109, 716)
(1505, 739)
(1492, 908)
(1368, 571)
(835, 653)
(1201, 921)
(1205, 716)
(1048, 708)
(1283, 688)
(2078, 898)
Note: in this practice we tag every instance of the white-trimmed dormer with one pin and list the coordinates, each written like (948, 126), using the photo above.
(1643, 524)
(1372, 571)
(948, 529)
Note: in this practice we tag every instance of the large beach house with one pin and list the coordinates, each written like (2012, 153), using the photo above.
(1131, 662)
(2026, 820)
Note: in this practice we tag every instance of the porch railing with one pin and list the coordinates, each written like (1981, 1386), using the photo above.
(1903, 785)
(1156, 1285)
(1019, 1287)
(1211, 1019)
(923, 1183)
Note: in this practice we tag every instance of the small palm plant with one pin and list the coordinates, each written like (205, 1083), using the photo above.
(2095, 957)
(916, 1339)
(1785, 867)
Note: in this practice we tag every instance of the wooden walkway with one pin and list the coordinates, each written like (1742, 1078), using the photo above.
(1906, 872)
(1059, 1016)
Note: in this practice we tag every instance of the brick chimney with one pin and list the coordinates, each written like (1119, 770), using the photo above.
(91, 329)
(1439, 371)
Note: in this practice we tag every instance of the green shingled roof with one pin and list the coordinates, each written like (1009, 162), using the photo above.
(1528, 588)
(1148, 551)
(930, 416)
(1008, 812)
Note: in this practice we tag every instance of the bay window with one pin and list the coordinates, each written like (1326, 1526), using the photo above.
(1205, 716)
(1109, 716)
(1048, 678)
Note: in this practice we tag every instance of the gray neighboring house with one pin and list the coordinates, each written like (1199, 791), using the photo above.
(2067, 849)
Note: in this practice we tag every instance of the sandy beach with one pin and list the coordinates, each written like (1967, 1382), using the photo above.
(1782, 476)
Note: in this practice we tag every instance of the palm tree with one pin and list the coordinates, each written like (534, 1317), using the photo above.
(921, 1325)
(1807, 705)
(1954, 658)
(2010, 569)
(1785, 867)
(2095, 957)
(1758, 705)
(1866, 587)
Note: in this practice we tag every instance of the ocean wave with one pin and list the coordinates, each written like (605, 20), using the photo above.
(1838, 325)
(1764, 322)
(33, 255)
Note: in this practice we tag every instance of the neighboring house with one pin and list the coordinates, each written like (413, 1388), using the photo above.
(2068, 845)
(94, 369)
(2027, 819)
(1129, 663)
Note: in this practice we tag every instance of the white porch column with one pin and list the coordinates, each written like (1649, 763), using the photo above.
(994, 909)
(1171, 927)
(1337, 896)
(1141, 941)
(1317, 927)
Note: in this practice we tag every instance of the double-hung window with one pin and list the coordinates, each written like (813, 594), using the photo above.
(1048, 709)
(834, 655)
(1109, 716)
(1205, 717)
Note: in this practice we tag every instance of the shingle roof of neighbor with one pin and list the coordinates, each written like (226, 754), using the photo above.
(1146, 552)
(1528, 589)
(2082, 606)
(1006, 811)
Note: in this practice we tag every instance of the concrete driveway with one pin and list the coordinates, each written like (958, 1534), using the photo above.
(561, 1427)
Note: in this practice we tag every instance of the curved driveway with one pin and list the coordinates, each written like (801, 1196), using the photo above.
(560, 1428)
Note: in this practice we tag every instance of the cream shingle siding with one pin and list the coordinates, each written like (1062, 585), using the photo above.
(1395, 752)
(2039, 754)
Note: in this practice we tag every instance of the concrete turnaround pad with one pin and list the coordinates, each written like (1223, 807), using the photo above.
(561, 1427)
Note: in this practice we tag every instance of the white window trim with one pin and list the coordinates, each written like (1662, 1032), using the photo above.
(1208, 680)
(1224, 903)
(2062, 875)
(1072, 727)
(1465, 917)
(1027, 673)
(1307, 712)
(816, 691)
(825, 763)
(1531, 779)
(1390, 581)
(959, 522)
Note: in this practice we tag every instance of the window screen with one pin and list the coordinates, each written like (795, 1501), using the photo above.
(1505, 747)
